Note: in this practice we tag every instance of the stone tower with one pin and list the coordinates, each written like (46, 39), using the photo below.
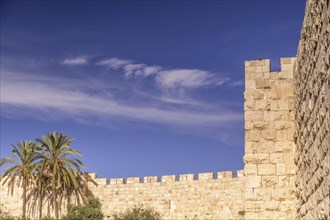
(269, 141)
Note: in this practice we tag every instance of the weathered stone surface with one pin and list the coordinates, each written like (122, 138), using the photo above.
(174, 198)
(269, 141)
(312, 86)
(266, 169)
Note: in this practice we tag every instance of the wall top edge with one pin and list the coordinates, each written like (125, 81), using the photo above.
(264, 65)
(223, 175)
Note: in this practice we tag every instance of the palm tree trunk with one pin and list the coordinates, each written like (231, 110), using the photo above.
(55, 196)
(24, 198)
(40, 205)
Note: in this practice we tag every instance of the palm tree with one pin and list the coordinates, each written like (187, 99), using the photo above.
(63, 168)
(23, 159)
(41, 187)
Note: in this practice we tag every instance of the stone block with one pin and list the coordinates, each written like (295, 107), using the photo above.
(131, 180)
(274, 105)
(250, 169)
(281, 215)
(248, 126)
(252, 181)
(280, 194)
(226, 174)
(253, 75)
(262, 83)
(287, 206)
(288, 158)
(252, 135)
(114, 181)
(205, 176)
(283, 105)
(249, 195)
(169, 178)
(290, 169)
(280, 169)
(254, 63)
(260, 125)
(288, 60)
(266, 215)
(283, 181)
(254, 94)
(262, 105)
(263, 194)
(283, 125)
(291, 193)
(240, 173)
(289, 92)
(251, 216)
(268, 134)
(272, 205)
(254, 206)
(268, 116)
(287, 68)
(151, 179)
(256, 158)
(282, 135)
(250, 84)
(253, 116)
(276, 158)
(283, 146)
(249, 105)
(266, 169)
(187, 177)
(264, 147)
(292, 182)
(291, 134)
(269, 181)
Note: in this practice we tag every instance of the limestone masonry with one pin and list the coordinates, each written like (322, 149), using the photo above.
(269, 141)
(287, 142)
(312, 110)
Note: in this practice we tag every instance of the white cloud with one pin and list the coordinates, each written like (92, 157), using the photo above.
(150, 70)
(133, 69)
(39, 95)
(114, 63)
(129, 67)
(166, 78)
(81, 60)
(236, 83)
(188, 78)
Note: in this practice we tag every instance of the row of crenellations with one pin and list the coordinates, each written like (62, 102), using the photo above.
(264, 65)
(167, 178)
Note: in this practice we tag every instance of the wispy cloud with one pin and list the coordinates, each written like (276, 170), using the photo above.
(38, 94)
(114, 63)
(236, 83)
(73, 61)
(188, 78)
(165, 77)
(129, 67)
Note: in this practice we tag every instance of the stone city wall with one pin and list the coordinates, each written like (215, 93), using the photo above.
(211, 196)
(312, 86)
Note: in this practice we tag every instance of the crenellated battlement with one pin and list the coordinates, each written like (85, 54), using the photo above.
(264, 65)
(258, 73)
(167, 178)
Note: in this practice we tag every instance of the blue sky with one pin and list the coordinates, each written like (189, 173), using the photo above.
(144, 87)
